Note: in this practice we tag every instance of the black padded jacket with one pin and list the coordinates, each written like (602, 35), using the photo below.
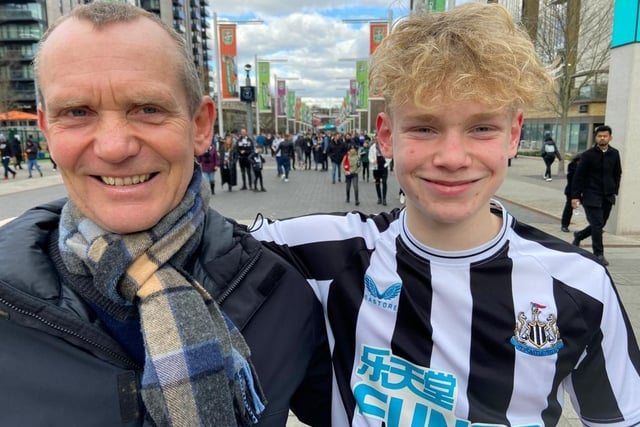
(59, 366)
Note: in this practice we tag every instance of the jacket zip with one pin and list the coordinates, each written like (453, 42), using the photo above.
(239, 278)
(70, 332)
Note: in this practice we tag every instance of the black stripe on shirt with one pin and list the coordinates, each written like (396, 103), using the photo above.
(491, 369)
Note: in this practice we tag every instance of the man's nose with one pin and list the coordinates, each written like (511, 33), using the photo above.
(115, 139)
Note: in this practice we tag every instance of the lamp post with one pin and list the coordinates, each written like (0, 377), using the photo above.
(248, 95)
(220, 114)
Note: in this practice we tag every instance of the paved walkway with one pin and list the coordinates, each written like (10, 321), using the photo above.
(312, 191)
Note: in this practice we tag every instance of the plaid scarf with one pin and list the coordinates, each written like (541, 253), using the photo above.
(197, 370)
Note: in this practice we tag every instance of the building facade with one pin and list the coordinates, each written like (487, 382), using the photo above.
(573, 37)
(22, 24)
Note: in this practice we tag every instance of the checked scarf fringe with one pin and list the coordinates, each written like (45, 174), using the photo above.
(197, 370)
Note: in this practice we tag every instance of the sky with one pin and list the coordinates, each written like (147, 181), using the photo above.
(319, 47)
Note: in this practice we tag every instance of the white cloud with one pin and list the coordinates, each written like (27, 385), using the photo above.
(310, 35)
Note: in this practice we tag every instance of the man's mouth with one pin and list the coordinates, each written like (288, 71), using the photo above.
(127, 180)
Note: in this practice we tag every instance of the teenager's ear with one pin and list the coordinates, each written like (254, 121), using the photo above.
(385, 135)
(516, 130)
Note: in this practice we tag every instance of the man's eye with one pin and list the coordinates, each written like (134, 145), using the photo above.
(76, 112)
(148, 109)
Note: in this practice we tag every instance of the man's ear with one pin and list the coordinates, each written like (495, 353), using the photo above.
(204, 119)
(385, 135)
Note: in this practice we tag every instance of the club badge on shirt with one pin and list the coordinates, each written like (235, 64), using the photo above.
(537, 337)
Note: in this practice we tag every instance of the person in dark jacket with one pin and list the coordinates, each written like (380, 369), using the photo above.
(245, 146)
(567, 211)
(228, 161)
(5, 156)
(31, 149)
(595, 185)
(16, 150)
(549, 153)
(336, 151)
(132, 302)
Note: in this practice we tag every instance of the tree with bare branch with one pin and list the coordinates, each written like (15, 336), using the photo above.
(574, 36)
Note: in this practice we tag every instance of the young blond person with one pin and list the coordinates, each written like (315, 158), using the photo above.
(450, 312)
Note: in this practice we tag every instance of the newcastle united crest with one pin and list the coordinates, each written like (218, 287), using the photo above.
(537, 337)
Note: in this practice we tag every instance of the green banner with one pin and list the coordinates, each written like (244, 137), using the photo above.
(291, 103)
(264, 79)
(362, 78)
(435, 5)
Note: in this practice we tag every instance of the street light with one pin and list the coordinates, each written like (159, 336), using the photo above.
(248, 95)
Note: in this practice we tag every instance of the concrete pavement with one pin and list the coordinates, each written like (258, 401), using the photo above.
(312, 191)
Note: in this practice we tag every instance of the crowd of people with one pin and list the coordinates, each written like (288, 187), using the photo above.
(14, 152)
(356, 156)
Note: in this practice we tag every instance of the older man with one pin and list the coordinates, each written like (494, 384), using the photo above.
(123, 305)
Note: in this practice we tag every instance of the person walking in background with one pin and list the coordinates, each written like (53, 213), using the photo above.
(351, 164)
(567, 211)
(595, 185)
(32, 149)
(15, 146)
(308, 150)
(257, 163)
(325, 151)
(549, 153)
(277, 154)
(209, 163)
(451, 312)
(317, 151)
(5, 155)
(336, 151)
(380, 171)
(287, 155)
(228, 160)
(132, 302)
(364, 159)
(245, 146)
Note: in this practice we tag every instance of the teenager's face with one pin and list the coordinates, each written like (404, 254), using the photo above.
(450, 160)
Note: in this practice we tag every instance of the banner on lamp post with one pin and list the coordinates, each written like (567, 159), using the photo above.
(264, 97)
(291, 103)
(353, 97)
(228, 60)
(281, 100)
(435, 5)
(362, 80)
(377, 32)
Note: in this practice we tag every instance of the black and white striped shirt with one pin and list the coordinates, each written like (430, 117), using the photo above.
(491, 336)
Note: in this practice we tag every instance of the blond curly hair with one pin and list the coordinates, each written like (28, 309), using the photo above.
(472, 52)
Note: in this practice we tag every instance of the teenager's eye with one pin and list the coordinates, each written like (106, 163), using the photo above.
(424, 130)
(483, 129)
